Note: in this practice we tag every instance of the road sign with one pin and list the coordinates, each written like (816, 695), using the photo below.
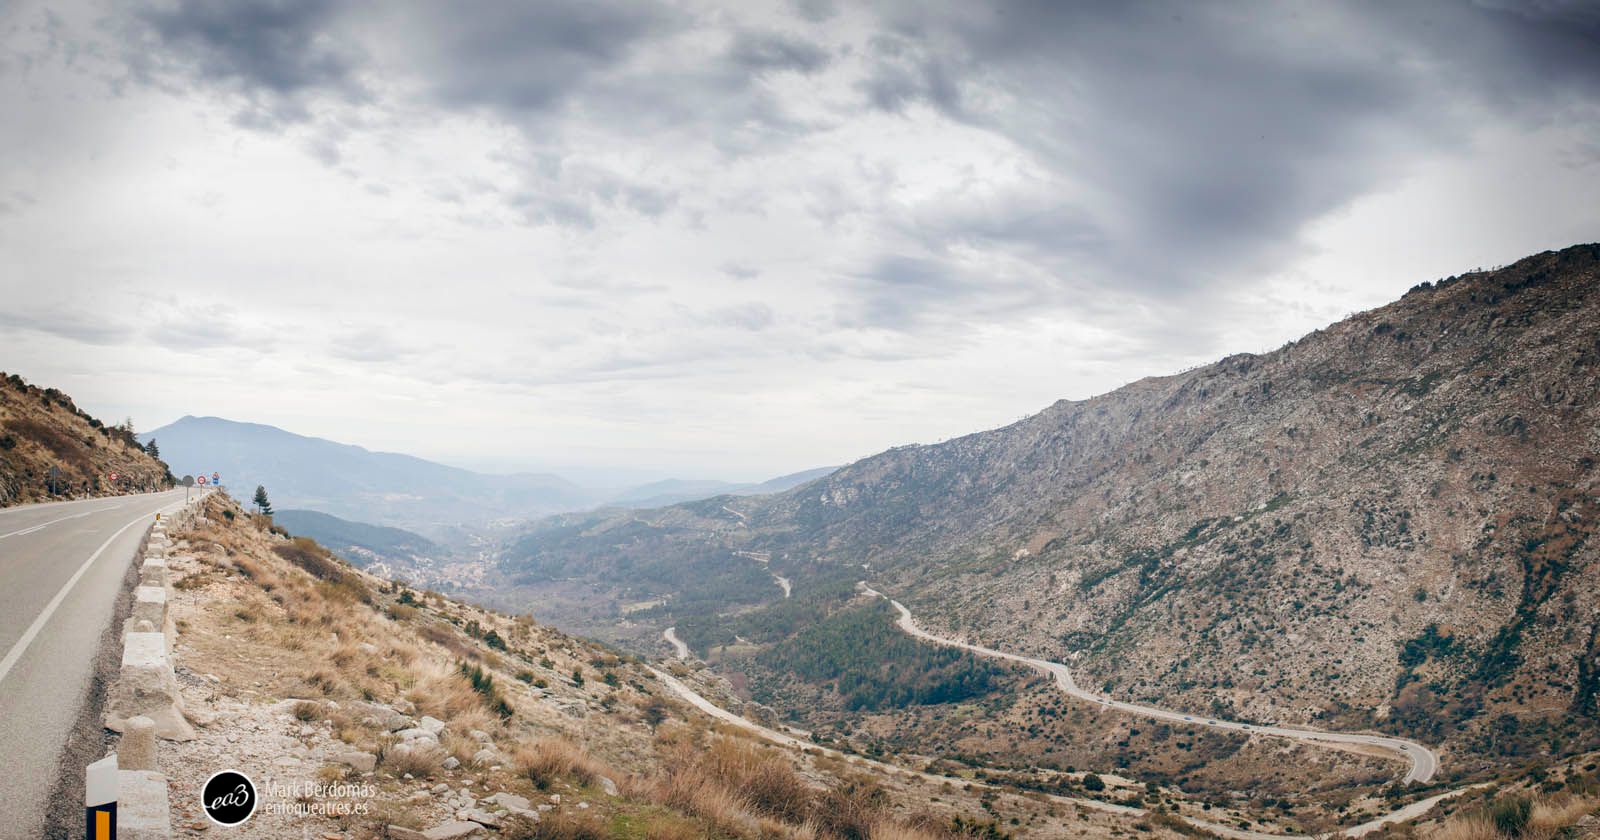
(216, 479)
(113, 476)
(200, 481)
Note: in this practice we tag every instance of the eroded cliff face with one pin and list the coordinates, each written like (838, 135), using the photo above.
(1387, 522)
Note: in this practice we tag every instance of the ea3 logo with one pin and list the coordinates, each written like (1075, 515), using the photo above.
(229, 798)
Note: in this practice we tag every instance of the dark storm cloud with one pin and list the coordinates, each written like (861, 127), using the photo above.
(522, 59)
(760, 52)
(277, 53)
(1177, 146)
(1195, 142)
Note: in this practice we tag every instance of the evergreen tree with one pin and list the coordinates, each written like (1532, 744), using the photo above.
(261, 500)
(152, 450)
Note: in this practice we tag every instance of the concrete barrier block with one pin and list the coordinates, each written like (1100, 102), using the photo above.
(153, 572)
(147, 687)
(143, 809)
(150, 604)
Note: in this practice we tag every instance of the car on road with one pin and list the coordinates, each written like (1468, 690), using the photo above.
(1186, 717)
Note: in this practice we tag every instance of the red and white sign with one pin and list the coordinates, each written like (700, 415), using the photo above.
(113, 476)
(201, 480)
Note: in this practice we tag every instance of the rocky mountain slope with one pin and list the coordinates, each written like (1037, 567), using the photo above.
(51, 449)
(1385, 524)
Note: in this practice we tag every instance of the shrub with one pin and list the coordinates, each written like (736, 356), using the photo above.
(483, 683)
(1094, 783)
(1511, 815)
(851, 811)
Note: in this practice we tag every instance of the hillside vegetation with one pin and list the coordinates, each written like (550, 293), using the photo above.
(51, 449)
(298, 667)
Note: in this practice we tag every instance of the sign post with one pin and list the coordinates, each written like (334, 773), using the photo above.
(100, 799)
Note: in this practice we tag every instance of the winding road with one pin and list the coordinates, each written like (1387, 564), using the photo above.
(671, 635)
(1423, 762)
(693, 698)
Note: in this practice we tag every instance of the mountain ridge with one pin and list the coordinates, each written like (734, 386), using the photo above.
(1384, 524)
(395, 489)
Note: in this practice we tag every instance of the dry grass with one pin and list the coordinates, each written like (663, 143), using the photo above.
(717, 805)
(1518, 818)
(417, 759)
(559, 825)
(1467, 828)
(765, 779)
(891, 830)
(441, 692)
(550, 759)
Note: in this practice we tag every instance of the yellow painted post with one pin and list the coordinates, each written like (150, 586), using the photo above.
(100, 799)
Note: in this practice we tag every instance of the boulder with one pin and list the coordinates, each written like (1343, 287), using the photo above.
(432, 724)
(379, 716)
(509, 801)
(451, 830)
(485, 757)
(363, 762)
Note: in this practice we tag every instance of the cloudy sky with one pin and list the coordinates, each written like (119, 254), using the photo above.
(733, 240)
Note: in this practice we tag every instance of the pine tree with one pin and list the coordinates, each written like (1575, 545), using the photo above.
(152, 450)
(261, 500)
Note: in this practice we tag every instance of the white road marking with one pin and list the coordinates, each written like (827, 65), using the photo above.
(38, 624)
(54, 521)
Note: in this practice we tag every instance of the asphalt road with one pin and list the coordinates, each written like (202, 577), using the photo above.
(62, 566)
(1423, 762)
